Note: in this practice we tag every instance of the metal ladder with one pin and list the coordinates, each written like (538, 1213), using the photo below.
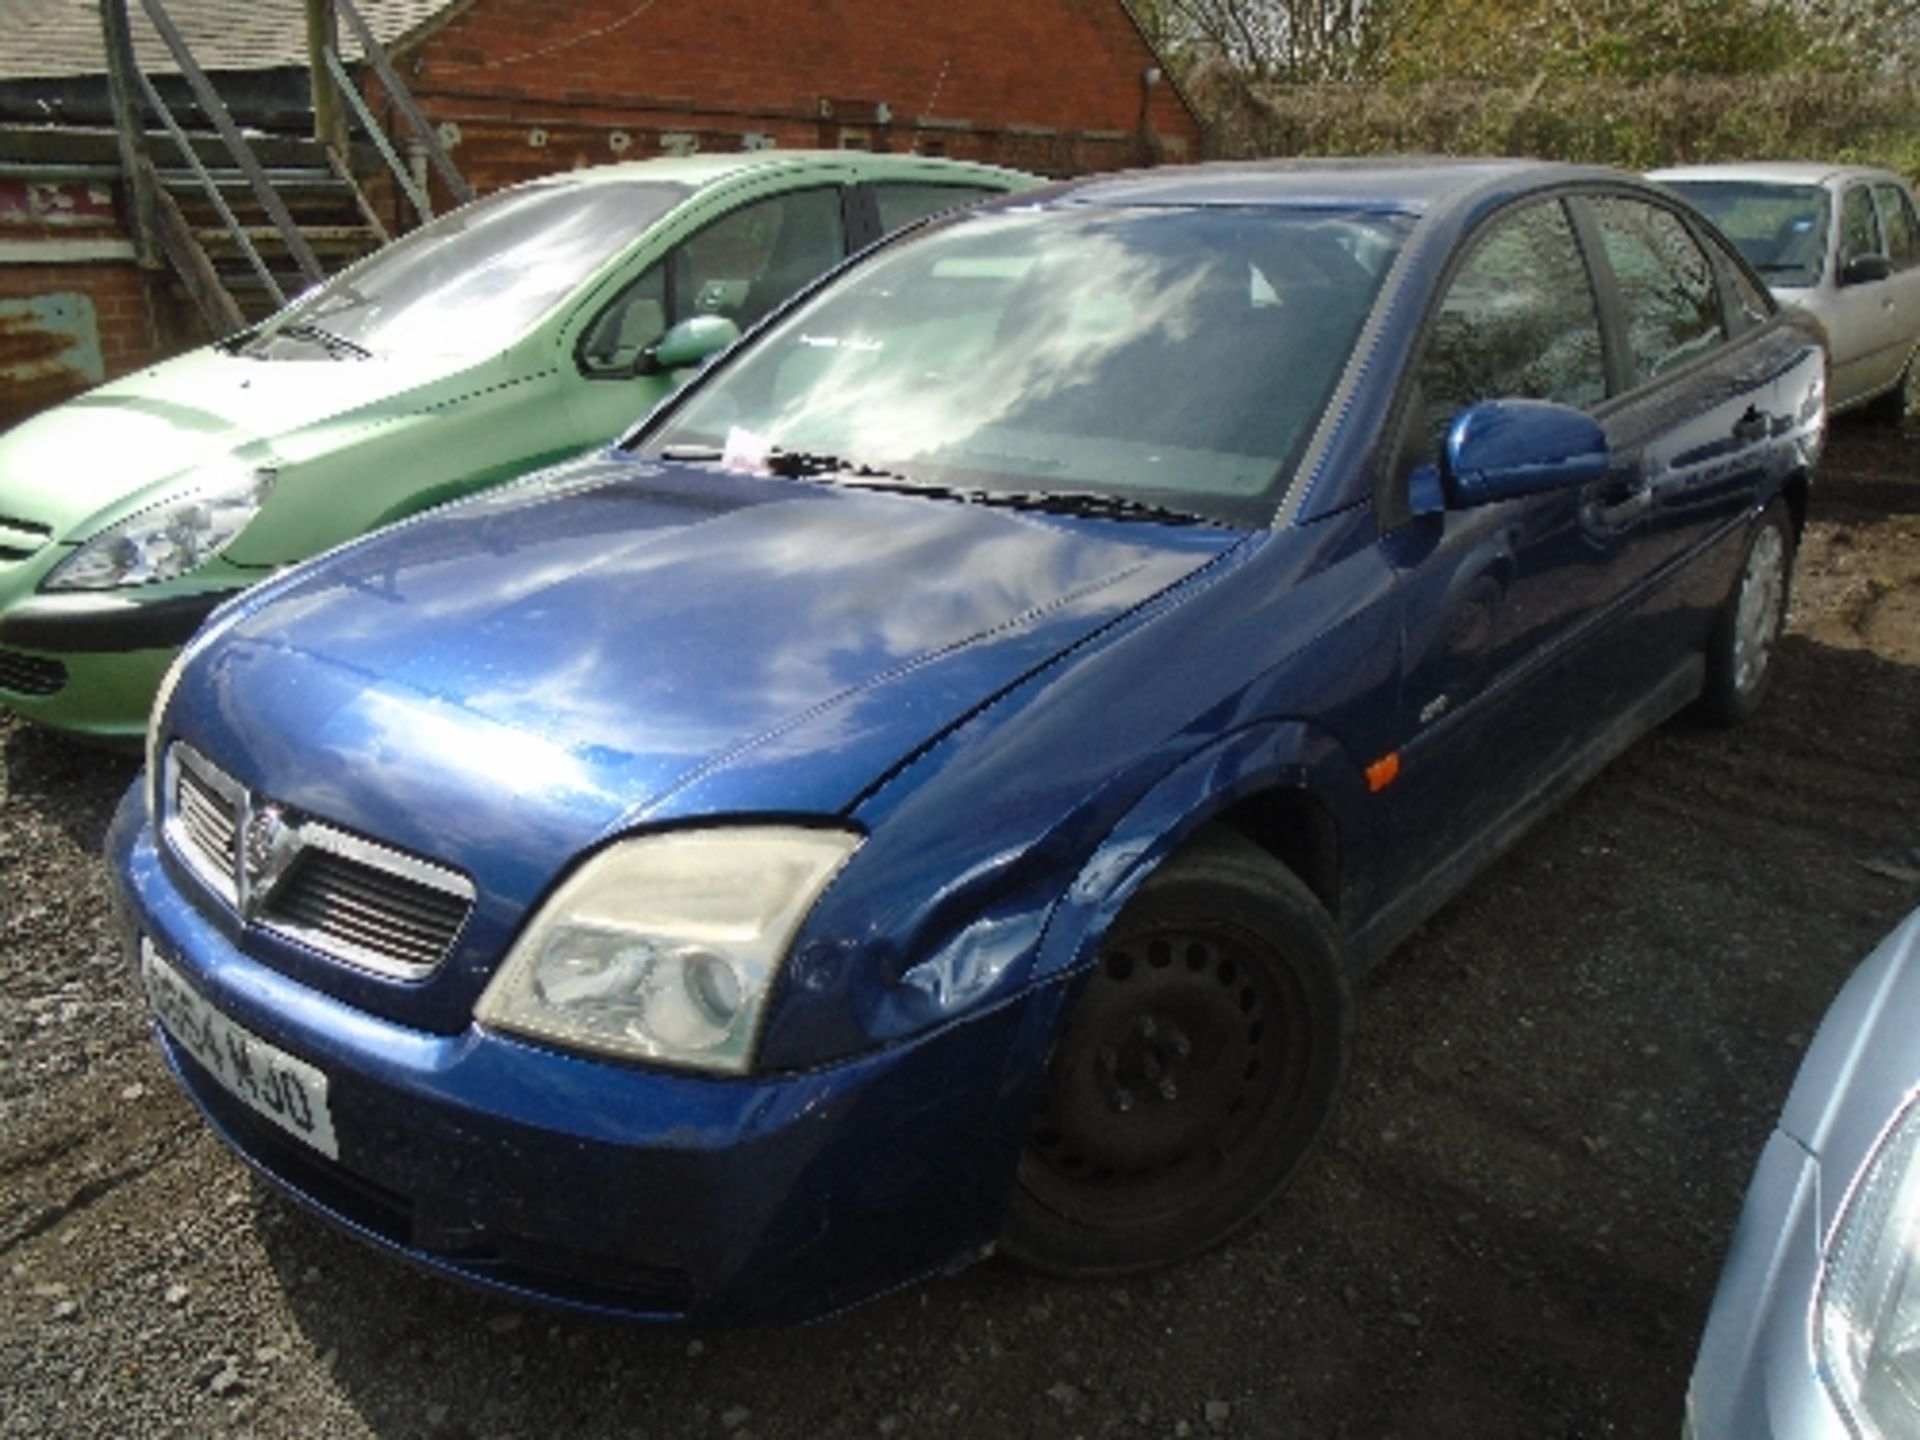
(244, 266)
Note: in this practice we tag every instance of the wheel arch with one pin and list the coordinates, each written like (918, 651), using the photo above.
(1286, 786)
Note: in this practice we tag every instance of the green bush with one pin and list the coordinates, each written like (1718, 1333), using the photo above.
(1672, 120)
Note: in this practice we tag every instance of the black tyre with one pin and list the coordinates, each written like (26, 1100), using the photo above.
(1197, 1067)
(1740, 658)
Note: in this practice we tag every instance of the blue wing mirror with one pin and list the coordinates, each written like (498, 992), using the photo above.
(1502, 449)
(694, 341)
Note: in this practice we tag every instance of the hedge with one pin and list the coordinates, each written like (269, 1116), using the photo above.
(1816, 116)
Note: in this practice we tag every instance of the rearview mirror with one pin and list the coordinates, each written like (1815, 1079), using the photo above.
(693, 341)
(1864, 269)
(1502, 449)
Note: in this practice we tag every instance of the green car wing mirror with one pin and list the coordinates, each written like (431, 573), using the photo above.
(694, 341)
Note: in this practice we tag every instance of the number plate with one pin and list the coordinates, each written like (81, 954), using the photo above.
(289, 1092)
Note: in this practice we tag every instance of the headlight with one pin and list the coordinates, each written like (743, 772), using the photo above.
(665, 947)
(171, 539)
(1868, 1315)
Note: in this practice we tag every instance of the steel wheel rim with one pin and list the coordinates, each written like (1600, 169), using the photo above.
(1756, 621)
(1185, 1054)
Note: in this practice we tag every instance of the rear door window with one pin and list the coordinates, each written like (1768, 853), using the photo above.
(1666, 283)
(1898, 226)
(747, 263)
(1859, 226)
(1748, 303)
(901, 203)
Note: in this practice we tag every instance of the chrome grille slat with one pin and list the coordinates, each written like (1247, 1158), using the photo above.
(326, 895)
(348, 942)
(313, 901)
(207, 820)
(352, 899)
(403, 904)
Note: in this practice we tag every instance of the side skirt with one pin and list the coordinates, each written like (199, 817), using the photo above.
(1400, 918)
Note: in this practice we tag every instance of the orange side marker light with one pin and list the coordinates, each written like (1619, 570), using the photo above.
(1383, 772)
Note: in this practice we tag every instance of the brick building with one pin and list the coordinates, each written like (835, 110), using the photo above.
(519, 88)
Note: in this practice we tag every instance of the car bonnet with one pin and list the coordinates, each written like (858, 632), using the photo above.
(65, 466)
(502, 685)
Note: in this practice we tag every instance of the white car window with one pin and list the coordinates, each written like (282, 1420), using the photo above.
(1859, 226)
(1898, 225)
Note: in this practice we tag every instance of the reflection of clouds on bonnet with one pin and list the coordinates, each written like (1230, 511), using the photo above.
(639, 622)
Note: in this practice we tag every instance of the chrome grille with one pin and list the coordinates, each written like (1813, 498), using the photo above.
(350, 898)
(208, 824)
(331, 897)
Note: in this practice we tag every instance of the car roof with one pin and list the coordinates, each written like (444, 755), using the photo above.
(1412, 184)
(705, 169)
(1778, 172)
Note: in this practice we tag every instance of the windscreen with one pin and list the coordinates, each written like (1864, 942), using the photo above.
(1781, 229)
(1174, 357)
(470, 282)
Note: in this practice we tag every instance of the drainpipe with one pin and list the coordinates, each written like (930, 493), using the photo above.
(417, 163)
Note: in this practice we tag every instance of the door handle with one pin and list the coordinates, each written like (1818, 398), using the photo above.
(1751, 427)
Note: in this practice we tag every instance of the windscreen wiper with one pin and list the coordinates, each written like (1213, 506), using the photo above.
(812, 465)
(1088, 502)
(858, 475)
(861, 476)
(335, 345)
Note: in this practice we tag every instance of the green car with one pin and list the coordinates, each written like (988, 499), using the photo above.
(522, 328)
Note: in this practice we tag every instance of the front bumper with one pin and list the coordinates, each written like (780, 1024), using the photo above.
(1756, 1376)
(89, 664)
(616, 1188)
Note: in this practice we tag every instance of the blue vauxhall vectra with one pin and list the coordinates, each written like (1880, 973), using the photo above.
(933, 784)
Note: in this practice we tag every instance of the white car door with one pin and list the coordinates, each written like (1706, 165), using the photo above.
(1865, 331)
(1900, 229)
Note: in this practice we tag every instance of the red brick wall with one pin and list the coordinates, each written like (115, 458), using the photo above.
(134, 321)
(1049, 85)
(532, 86)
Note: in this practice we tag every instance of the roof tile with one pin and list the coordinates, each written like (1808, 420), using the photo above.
(51, 39)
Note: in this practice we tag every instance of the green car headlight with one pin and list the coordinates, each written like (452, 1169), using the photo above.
(171, 539)
(665, 947)
(1868, 1316)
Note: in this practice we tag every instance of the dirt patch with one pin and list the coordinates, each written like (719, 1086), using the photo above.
(1859, 583)
(1513, 1229)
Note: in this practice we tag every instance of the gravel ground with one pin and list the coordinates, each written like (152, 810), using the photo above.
(1513, 1228)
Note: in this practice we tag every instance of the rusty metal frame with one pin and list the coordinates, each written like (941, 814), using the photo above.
(207, 183)
(216, 111)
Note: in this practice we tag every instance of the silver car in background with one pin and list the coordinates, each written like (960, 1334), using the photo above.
(1842, 241)
(1815, 1331)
